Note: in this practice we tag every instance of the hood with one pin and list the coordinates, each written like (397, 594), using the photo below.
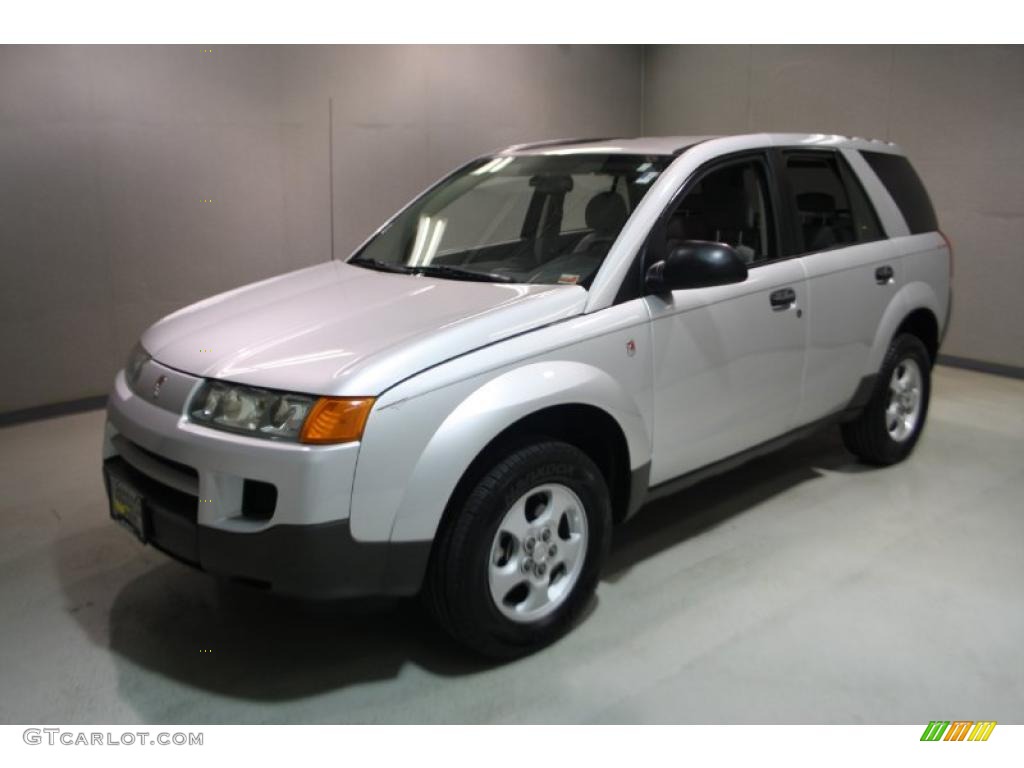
(337, 329)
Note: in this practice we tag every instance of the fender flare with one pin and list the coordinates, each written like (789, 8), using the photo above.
(488, 411)
(910, 297)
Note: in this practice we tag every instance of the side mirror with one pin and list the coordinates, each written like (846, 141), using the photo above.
(696, 264)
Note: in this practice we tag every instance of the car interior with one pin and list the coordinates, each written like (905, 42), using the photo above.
(728, 206)
(562, 238)
(823, 208)
(539, 219)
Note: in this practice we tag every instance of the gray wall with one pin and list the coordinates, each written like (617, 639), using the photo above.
(106, 154)
(958, 111)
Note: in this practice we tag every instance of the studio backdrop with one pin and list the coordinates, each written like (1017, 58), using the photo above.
(136, 180)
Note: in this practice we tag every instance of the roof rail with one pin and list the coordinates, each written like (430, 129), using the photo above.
(874, 141)
(555, 142)
(679, 150)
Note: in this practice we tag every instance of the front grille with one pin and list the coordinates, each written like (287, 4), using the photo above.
(164, 387)
(158, 497)
(160, 469)
(177, 466)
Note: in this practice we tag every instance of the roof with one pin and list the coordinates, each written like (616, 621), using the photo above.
(651, 145)
(672, 145)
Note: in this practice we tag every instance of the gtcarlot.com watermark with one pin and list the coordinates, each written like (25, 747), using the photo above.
(59, 736)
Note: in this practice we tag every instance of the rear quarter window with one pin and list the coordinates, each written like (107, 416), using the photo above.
(906, 189)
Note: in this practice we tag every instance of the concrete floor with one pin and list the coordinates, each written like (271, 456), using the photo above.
(802, 588)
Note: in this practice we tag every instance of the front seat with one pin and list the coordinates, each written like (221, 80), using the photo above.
(730, 216)
(687, 224)
(605, 215)
(818, 211)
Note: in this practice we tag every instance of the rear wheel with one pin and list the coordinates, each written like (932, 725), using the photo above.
(522, 554)
(891, 423)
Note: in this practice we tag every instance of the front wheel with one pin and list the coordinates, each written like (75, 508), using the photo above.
(891, 423)
(521, 556)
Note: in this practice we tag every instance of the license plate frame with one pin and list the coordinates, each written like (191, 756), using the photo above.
(128, 506)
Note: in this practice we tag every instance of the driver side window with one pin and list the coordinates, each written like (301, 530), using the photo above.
(729, 205)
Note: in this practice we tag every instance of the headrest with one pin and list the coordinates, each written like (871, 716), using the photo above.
(683, 227)
(676, 229)
(606, 212)
(550, 184)
(815, 202)
(725, 200)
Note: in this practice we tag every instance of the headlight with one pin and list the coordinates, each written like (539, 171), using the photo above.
(280, 415)
(133, 368)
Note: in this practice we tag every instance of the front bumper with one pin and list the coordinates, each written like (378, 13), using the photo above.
(320, 561)
(196, 484)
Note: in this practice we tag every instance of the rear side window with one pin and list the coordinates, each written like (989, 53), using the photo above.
(832, 209)
(903, 183)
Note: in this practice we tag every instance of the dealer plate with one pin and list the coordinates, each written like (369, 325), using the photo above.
(127, 506)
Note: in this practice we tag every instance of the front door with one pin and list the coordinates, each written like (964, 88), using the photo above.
(728, 361)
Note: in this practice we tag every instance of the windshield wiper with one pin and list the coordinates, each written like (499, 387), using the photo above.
(382, 266)
(459, 273)
(432, 270)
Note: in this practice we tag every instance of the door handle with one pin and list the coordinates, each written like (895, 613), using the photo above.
(782, 299)
(884, 275)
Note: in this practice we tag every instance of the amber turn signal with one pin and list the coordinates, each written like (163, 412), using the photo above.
(336, 420)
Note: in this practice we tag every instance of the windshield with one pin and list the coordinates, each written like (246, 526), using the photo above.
(527, 219)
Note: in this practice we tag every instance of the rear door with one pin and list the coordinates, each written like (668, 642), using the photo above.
(727, 360)
(852, 272)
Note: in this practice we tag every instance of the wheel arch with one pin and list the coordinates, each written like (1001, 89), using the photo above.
(914, 309)
(569, 401)
(587, 427)
(923, 324)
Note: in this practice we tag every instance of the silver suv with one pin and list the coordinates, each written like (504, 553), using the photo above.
(522, 357)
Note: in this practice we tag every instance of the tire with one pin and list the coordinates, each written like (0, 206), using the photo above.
(872, 435)
(485, 542)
